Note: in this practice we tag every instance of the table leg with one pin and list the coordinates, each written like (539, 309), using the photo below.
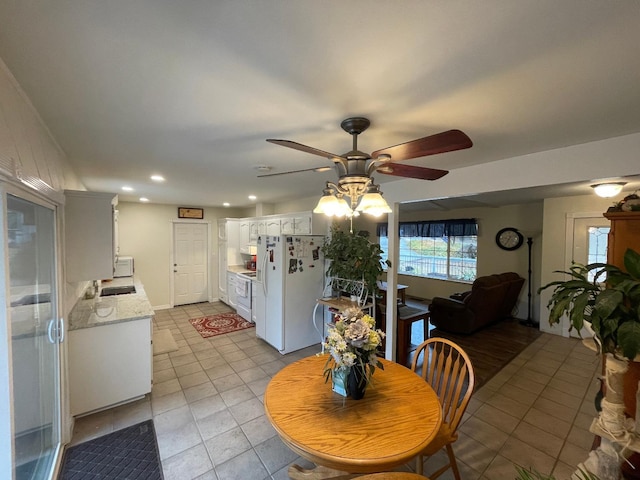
(404, 338)
(296, 472)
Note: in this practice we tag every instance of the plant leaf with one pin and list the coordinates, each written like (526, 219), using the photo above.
(632, 263)
(629, 338)
(608, 301)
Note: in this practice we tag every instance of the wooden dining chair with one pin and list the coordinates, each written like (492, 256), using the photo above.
(447, 368)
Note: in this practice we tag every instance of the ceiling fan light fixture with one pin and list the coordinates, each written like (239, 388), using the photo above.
(372, 202)
(607, 190)
(332, 203)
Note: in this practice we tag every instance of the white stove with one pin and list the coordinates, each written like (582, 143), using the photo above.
(243, 292)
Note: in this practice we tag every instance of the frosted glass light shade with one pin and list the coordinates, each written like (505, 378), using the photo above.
(331, 206)
(373, 204)
(607, 190)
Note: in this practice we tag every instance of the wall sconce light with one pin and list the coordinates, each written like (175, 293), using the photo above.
(607, 190)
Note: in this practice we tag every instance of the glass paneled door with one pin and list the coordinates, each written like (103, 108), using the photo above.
(36, 334)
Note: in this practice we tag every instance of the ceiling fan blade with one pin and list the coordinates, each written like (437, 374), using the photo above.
(448, 141)
(316, 169)
(306, 149)
(411, 171)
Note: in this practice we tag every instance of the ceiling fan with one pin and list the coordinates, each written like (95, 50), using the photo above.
(355, 168)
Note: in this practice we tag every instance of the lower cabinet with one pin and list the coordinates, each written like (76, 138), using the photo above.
(109, 364)
(231, 290)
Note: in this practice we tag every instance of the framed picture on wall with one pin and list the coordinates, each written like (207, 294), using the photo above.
(190, 212)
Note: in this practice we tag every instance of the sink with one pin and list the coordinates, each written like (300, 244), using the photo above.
(124, 290)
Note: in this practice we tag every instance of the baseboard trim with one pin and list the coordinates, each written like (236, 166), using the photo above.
(161, 307)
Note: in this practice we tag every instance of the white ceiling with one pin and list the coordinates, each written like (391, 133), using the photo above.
(192, 89)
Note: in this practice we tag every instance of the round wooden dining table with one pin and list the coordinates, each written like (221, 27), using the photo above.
(397, 418)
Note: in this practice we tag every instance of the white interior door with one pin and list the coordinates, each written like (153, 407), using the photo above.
(590, 239)
(589, 245)
(190, 268)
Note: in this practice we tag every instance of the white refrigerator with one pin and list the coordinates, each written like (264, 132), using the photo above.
(289, 280)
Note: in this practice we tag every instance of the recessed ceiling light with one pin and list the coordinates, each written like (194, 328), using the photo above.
(252, 197)
(226, 204)
(157, 178)
(127, 189)
(144, 199)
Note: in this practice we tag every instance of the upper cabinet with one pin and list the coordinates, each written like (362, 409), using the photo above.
(90, 235)
(245, 234)
(624, 233)
(286, 226)
(254, 228)
(272, 226)
(249, 229)
(302, 224)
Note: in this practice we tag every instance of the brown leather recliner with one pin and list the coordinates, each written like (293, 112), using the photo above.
(491, 299)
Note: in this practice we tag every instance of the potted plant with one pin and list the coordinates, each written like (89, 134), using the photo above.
(352, 343)
(353, 257)
(609, 304)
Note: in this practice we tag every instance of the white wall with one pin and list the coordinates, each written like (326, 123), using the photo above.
(527, 218)
(300, 205)
(586, 162)
(554, 242)
(145, 233)
(26, 142)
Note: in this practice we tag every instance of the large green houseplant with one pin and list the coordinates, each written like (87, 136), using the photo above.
(607, 300)
(610, 303)
(353, 257)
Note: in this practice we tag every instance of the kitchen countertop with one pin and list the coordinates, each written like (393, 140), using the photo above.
(100, 311)
(238, 269)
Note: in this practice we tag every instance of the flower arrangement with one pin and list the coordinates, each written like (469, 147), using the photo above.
(353, 341)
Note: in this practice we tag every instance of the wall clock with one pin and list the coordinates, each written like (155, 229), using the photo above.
(509, 238)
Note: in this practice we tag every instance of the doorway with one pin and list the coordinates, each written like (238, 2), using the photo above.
(190, 262)
(36, 331)
(587, 241)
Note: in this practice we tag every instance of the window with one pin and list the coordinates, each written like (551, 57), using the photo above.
(597, 241)
(445, 249)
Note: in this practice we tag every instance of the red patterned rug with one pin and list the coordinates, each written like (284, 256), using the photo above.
(213, 325)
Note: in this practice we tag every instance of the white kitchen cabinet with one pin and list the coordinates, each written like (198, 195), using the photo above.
(90, 233)
(273, 226)
(233, 242)
(222, 229)
(302, 224)
(298, 224)
(231, 289)
(245, 235)
(222, 271)
(109, 364)
(262, 226)
(228, 253)
(253, 232)
(286, 226)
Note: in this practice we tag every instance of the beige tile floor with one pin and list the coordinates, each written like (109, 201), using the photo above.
(207, 408)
